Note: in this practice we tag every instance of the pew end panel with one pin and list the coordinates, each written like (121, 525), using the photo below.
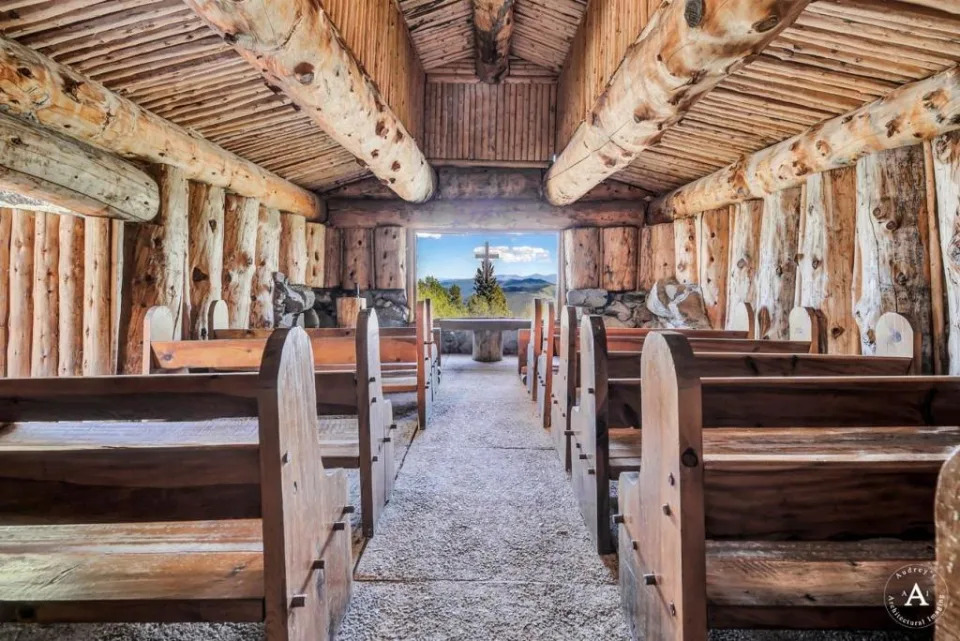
(743, 319)
(523, 344)
(424, 363)
(533, 349)
(896, 336)
(806, 325)
(545, 371)
(564, 388)
(948, 546)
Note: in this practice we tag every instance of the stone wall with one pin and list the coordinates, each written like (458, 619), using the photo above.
(318, 306)
(461, 342)
(668, 304)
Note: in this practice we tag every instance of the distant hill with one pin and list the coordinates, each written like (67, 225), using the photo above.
(519, 290)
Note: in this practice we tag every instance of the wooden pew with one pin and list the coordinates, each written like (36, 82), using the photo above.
(948, 547)
(545, 366)
(126, 518)
(369, 448)
(534, 346)
(777, 502)
(605, 435)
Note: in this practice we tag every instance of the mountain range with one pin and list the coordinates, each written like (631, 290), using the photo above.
(519, 290)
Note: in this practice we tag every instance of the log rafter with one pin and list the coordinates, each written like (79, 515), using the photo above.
(493, 22)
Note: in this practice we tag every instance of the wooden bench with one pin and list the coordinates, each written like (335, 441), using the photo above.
(122, 517)
(366, 443)
(534, 344)
(948, 546)
(776, 502)
(543, 386)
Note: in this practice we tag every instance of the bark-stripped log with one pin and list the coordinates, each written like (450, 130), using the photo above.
(390, 257)
(40, 164)
(685, 250)
(121, 255)
(946, 164)
(493, 23)
(159, 262)
(205, 255)
(293, 248)
(827, 251)
(581, 257)
(240, 220)
(37, 89)
(97, 298)
(891, 235)
(20, 320)
(619, 270)
(357, 259)
(686, 49)
(657, 255)
(70, 297)
(712, 260)
(267, 264)
(744, 255)
(777, 269)
(6, 218)
(918, 111)
(316, 253)
(298, 48)
(46, 265)
(333, 257)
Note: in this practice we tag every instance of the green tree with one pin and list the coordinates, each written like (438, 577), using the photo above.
(443, 303)
(456, 296)
(488, 298)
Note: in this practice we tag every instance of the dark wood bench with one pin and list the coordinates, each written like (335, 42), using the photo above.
(123, 517)
(365, 443)
(776, 502)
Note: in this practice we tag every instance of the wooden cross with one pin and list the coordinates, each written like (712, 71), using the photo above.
(486, 254)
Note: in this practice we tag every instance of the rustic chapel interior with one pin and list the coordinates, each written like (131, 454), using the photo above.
(230, 410)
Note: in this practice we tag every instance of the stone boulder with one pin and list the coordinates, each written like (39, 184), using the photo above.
(676, 305)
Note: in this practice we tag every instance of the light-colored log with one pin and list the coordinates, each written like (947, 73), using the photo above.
(41, 164)
(20, 320)
(918, 111)
(293, 248)
(657, 255)
(6, 218)
(827, 252)
(891, 231)
(298, 48)
(744, 256)
(777, 268)
(685, 250)
(712, 261)
(581, 253)
(267, 264)
(158, 266)
(684, 51)
(240, 220)
(205, 256)
(14, 200)
(46, 265)
(97, 298)
(493, 28)
(390, 257)
(348, 310)
(501, 215)
(37, 89)
(619, 270)
(946, 166)
(357, 259)
(121, 256)
(333, 257)
(70, 297)
(316, 253)
(938, 293)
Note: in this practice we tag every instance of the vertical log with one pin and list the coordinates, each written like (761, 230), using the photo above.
(581, 254)
(411, 271)
(938, 293)
(267, 262)
(316, 253)
(744, 254)
(891, 230)
(121, 248)
(390, 257)
(619, 246)
(20, 324)
(46, 262)
(777, 270)
(827, 251)
(946, 167)
(205, 256)
(293, 248)
(685, 249)
(333, 258)
(657, 255)
(70, 297)
(357, 259)
(713, 257)
(6, 218)
(240, 221)
(159, 262)
(97, 311)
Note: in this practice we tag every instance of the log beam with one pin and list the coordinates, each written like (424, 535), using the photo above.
(493, 28)
(39, 90)
(686, 49)
(910, 114)
(299, 49)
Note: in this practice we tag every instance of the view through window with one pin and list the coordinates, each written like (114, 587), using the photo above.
(486, 274)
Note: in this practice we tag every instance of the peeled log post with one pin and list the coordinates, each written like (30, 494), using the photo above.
(390, 257)
(619, 270)
(333, 257)
(46, 263)
(777, 268)
(293, 248)
(316, 253)
(97, 298)
(205, 253)
(685, 250)
(39, 90)
(357, 259)
(6, 217)
(713, 254)
(687, 48)
(946, 166)
(657, 255)
(240, 220)
(20, 320)
(744, 255)
(267, 263)
(298, 48)
(493, 22)
(70, 296)
(907, 115)
(581, 253)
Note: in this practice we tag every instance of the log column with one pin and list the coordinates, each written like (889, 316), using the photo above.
(316, 253)
(581, 252)
(685, 250)
(6, 218)
(293, 248)
(205, 256)
(744, 255)
(97, 297)
(240, 220)
(619, 271)
(390, 262)
(20, 323)
(70, 297)
(777, 271)
(657, 255)
(946, 167)
(333, 257)
(267, 262)
(357, 259)
(712, 260)
(46, 264)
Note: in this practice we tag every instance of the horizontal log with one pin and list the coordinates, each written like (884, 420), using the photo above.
(42, 91)
(527, 215)
(906, 116)
(40, 164)
(493, 28)
(686, 50)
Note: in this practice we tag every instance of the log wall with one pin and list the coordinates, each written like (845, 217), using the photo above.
(601, 258)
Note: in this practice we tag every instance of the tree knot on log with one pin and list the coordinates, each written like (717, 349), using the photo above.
(199, 275)
(767, 24)
(304, 73)
(693, 13)
(893, 126)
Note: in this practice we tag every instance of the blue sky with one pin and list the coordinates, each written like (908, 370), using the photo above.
(451, 255)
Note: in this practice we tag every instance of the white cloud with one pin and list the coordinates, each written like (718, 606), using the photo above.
(519, 254)
(426, 234)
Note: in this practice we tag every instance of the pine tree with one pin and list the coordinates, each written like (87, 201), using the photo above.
(488, 298)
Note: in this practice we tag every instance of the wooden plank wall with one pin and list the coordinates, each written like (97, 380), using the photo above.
(607, 30)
